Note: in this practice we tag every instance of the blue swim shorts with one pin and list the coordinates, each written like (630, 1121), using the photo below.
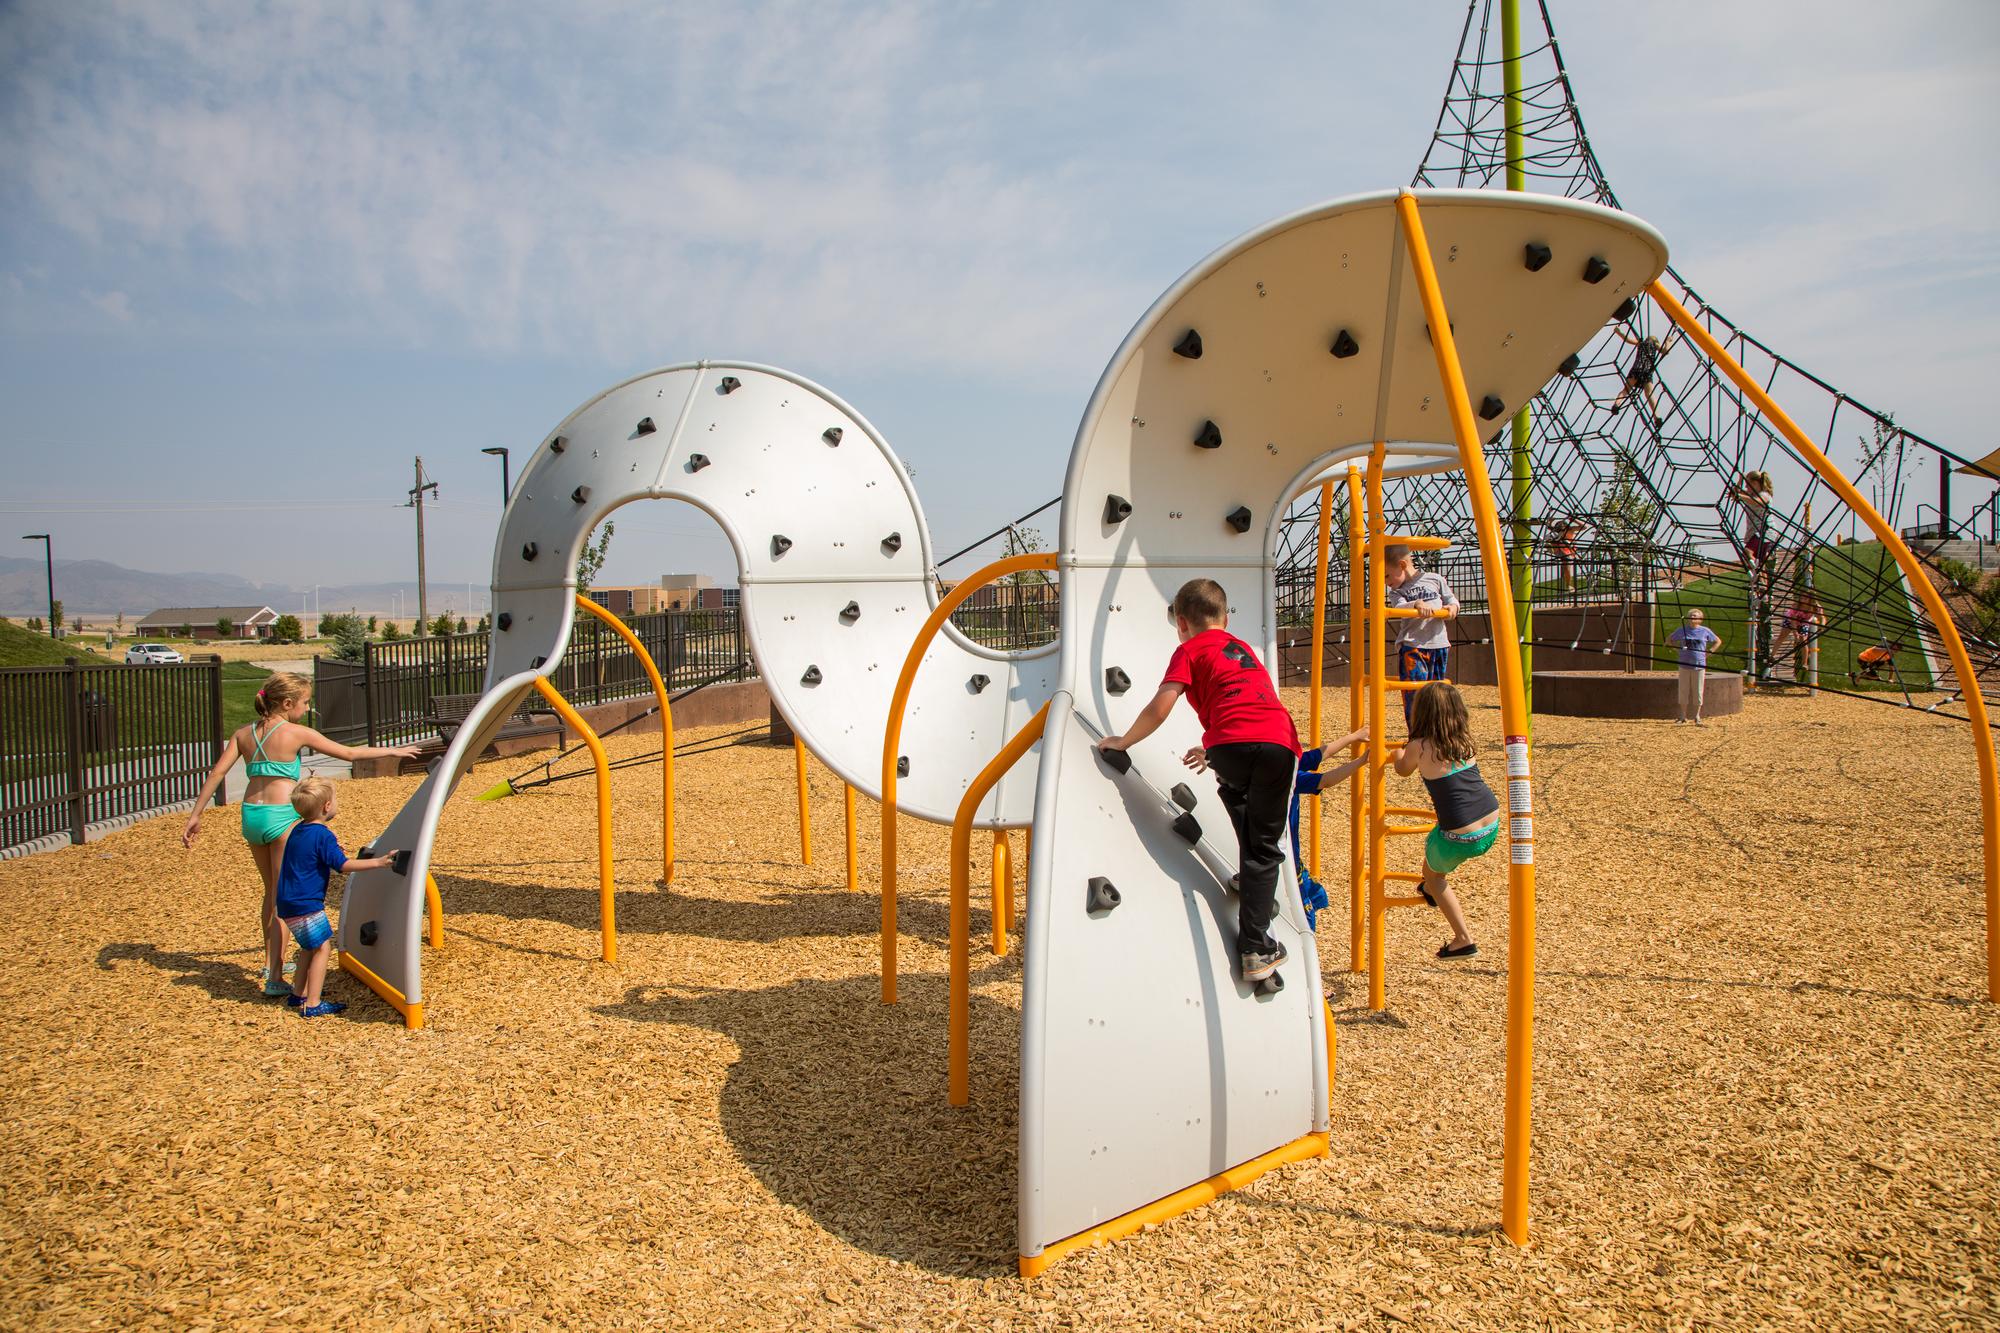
(310, 931)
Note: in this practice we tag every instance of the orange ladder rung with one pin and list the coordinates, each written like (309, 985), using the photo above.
(1416, 810)
(1405, 830)
(1404, 876)
(1411, 613)
(1404, 902)
(1413, 542)
(1410, 685)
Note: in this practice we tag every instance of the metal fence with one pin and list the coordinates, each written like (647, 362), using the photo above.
(84, 743)
(1594, 574)
(1011, 617)
(385, 699)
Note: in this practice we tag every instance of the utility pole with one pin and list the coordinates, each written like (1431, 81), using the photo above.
(417, 501)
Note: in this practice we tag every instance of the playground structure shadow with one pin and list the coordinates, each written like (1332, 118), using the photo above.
(791, 913)
(837, 1106)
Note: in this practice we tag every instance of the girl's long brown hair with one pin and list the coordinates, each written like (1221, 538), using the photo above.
(280, 692)
(1438, 718)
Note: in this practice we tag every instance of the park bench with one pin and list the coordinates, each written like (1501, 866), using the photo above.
(449, 711)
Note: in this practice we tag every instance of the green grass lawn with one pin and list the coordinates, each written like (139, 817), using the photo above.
(19, 647)
(1844, 577)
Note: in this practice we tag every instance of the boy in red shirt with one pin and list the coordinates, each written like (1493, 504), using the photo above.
(1248, 739)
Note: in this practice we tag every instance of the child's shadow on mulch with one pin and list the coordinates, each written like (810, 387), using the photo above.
(237, 983)
(837, 1105)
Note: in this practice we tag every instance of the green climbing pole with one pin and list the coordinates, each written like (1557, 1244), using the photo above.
(1521, 553)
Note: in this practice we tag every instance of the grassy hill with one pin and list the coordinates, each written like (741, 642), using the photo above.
(19, 647)
(1865, 598)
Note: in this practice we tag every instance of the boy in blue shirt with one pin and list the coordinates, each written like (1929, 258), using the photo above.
(311, 857)
(1423, 649)
(1695, 642)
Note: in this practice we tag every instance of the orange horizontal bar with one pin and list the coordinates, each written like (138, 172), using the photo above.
(1413, 542)
(1405, 830)
(1180, 1201)
(413, 1014)
(1405, 876)
(1404, 902)
(1416, 810)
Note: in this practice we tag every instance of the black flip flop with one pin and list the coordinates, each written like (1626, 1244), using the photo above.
(1466, 952)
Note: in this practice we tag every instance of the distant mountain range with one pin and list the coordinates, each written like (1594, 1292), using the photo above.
(98, 588)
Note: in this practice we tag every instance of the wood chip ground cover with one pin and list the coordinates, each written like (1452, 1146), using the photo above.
(1767, 1094)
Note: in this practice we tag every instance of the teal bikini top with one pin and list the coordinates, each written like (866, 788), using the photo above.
(260, 767)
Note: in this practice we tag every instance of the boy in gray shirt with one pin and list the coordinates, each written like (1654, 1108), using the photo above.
(1423, 650)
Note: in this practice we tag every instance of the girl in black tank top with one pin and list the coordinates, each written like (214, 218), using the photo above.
(1440, 750)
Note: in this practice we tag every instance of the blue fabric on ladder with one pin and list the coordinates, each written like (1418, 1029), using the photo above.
(1311, 892)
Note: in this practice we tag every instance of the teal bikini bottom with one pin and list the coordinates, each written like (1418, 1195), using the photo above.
(267, 823)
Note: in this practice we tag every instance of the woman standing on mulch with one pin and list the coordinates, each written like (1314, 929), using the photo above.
(270, 749)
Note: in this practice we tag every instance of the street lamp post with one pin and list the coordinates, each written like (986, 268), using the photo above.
(505, 489)
(49, 559)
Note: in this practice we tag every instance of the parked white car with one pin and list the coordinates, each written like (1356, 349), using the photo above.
(145, 654)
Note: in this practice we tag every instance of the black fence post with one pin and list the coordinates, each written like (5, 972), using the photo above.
(73, 715)
(215, 714)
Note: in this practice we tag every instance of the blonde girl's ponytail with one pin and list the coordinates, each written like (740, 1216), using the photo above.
(280, 692)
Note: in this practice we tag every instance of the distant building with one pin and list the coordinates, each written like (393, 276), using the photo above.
(676, 592)
(643, 600)
(246, 622)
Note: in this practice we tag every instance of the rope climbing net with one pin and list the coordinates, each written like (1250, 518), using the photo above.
(1655, 481)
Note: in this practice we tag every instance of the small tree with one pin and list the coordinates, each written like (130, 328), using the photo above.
(329, 625)
(186, 631)
(76, 623)
(442, 625)
(350, 641)
(389, 630)
(591, 558)
(462, 626)
(288, 629)
(56, 616)
(121, 622)
(224, 627)
(371, 624)
(34, 625)
(485, 624)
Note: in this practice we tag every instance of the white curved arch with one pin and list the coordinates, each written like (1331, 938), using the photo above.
(1145, 1064)
(834, 562)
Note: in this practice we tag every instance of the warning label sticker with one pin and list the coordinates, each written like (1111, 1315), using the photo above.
(1518, 798)
(1521, 828)
(1524, 854)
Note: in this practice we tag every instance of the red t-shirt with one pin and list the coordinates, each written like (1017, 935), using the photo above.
(1231, 692)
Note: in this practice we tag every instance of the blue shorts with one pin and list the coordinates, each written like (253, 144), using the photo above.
(310, 931)
(1420, 664)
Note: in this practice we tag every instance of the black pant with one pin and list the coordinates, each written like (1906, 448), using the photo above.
(1256, 779)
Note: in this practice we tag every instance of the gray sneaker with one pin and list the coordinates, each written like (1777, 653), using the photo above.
(1257, 966)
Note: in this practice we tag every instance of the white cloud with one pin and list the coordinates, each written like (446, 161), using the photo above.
(115, 304)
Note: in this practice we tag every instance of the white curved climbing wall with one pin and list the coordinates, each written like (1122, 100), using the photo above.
(834, 562)
(1146, 1065)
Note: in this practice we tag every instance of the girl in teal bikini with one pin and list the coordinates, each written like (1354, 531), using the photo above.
(270, 749)
(1440, 750)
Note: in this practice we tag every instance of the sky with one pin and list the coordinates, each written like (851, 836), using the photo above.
(255, 258)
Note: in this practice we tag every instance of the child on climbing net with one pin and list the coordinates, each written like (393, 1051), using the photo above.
(1423, 650)
(1440, 750)
(1248, 739)
(311, 857)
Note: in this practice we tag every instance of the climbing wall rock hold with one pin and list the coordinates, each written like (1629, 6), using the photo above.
(1538, 256)
(1117, 509)
(780, 544)
(893, 543)
(506, 620)
(851, 612)
(581, 494)
(1189, 346)
(730, 384)
(831, 435)
(979, 683)
(1116, 681)
(530, 550)
(1626, 309)
(1570, 364)
(645, 426)
(902, 765)
(1101, 895)
(1239, 518)
(1183, 795)
(812, 676)
(1117, 760)
(696, 462)
(1344, 345)
(1491, 407)
(1188, 827)
(1208, 437)
(558, 444)
(1597, 270)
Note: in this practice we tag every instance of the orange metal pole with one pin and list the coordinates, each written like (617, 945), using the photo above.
(1003, 891)
(1359, 656)
(434, 904)
(1378, 726)
(805, 812)
(853, 849)
(1318, 662)
(960, 1041)
(1961, 661)
(624, 631)
(1514, 721)
(607, 902)
(892, 736)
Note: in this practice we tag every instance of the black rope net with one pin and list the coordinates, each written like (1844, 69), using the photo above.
(1656, 486)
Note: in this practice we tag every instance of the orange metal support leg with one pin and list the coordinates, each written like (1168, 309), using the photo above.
(1003, 891)
(624, 631)
(607, 901)
(1360, 659)
(805, 811)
